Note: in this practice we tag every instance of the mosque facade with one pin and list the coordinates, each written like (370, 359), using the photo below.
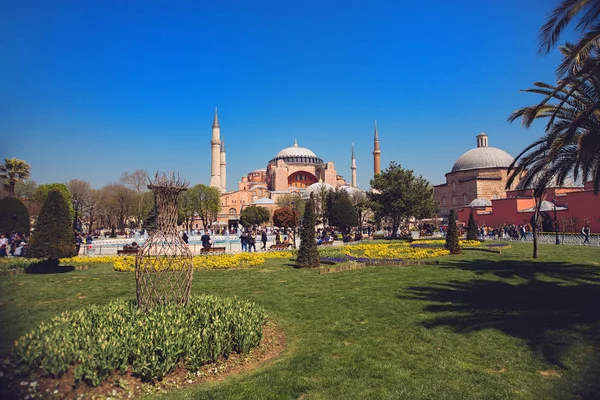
(294, 169)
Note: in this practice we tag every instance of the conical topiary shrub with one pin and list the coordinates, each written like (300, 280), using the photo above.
(452, 243)
(308, 254)
(53, 236)
(472, 233)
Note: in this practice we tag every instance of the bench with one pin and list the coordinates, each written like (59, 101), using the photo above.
(212, 250)
(280, 246)
(326, 243)
(127, 251)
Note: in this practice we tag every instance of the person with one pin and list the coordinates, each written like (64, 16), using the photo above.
(277, 237)
(586, 234)
(263, 238)
(244, 241)
(252, 241)
(205, 239)
(185, 237)
(78, 243)
(3, 245)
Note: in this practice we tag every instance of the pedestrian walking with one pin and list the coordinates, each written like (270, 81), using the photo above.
(263, 238)
(586, 234)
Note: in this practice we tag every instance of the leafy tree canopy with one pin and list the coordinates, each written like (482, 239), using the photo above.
(13, 216)
(343, 213)
(398, 194)
(254, 215)
(285, 217)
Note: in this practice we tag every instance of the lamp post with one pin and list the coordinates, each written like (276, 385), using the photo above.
(75, 224)
(555, 222)
(294, 220)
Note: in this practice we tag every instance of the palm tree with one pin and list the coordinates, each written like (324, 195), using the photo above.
(13, 171)
(588, 43)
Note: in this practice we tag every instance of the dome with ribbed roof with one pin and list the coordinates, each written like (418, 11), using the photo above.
(483, 156)
(297, 155)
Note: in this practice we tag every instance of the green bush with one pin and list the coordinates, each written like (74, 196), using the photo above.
(53, 235)
(308, 254)
(99, 340)
(472, 232)
(452, 243)
(10, 206)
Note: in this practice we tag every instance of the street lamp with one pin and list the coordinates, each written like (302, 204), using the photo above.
(555, 222)
(75, 224)
(294, 220)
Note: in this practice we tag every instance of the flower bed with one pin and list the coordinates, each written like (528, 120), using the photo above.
(97, 341)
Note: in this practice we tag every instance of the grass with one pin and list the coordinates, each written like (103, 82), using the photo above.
(479, 325)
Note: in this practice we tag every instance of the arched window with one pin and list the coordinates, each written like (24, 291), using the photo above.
(465, 199)
(444, 201)
(494, 196)
(232, 211)
(454, 200)
(453, 186)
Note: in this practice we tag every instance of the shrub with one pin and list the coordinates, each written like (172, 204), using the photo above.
(53, 235)
(9, 207)
(308, 254)
(452, 243)
(99, 340)
(472, 233)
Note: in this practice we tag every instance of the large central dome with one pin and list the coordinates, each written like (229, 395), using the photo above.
(483, 157)
(298, 155)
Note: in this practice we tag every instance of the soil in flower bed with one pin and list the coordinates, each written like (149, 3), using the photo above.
(127, 386)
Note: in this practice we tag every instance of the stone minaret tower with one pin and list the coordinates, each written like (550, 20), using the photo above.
(376, 153)
(223, 168)
(215, 172)
(353, 167)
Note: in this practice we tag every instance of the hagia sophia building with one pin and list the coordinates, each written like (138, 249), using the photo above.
(294, 169)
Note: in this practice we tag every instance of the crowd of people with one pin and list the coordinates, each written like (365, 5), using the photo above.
(14, 245)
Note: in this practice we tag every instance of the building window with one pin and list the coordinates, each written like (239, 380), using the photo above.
(453, 200)
(231, 211)
(494, 196)
(444, 201)
(453, 186)
(465, 199)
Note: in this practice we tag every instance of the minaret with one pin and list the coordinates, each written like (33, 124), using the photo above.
(353, 167)
(223, 168)
(215, 177)
(376, 153)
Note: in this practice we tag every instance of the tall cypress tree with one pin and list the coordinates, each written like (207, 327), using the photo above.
(308, 255)
(472, 233)
(53, 235)
(452, 234)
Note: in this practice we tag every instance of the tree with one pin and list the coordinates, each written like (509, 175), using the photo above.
(24, 190)
(41, 193)
(293, 201)
(586, 46)
(472, 233)
(53, 234)
(120, 203)
(13, 216)
(308, 254)
(343, 214)
(452, 243)
(150, 221)
(204, 201)
(254, 216)
(322, 198)
(12, 171)
(398, 195)
(142, 199)
(285, 217)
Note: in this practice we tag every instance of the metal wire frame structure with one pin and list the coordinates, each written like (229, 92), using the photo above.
(163, 267)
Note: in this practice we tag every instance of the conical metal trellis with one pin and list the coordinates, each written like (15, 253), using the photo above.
(163, 266)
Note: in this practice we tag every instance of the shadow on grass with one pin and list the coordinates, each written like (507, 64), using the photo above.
(48, 267)
(554, 309)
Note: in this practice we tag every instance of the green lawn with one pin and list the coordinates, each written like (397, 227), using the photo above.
(478, 326)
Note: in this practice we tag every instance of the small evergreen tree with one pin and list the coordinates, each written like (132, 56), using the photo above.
(53, 235)
(452, 234)
(13, 216)
(472, 233)
(150, 221)
(308, 255)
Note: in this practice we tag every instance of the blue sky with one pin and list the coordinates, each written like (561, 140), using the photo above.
(92, 89)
